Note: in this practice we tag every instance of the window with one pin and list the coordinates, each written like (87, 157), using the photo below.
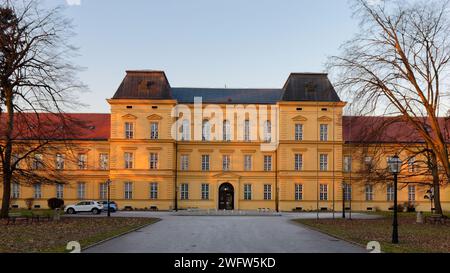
(60, 191)
(59, 162)
(347, 164)
(247, 192)
(38, 162)
(298, 192)
(184, 191)
(267, 163)
(369, 192)
(37, 191)
(347, 192)
(15, 191)
(411, 193)
(154, 191)
(205, 191)
(298, 132)
(267, 192)
(267, 131)
(298, 162)
(323, 162)
(104, 161)
(82, 161)
(103, 191)
(323, 132)
(226, 163)
(153, 161)
(184, 162)
(185, 130)
(154, 130)
(128, 190)
(323, 192)
(81, 190)
(128, 157)
(247, 162)
(226, 130)
(390, 192)
(368, 161)
(205, 162)
(129, 130)
(247, 130)
(206, 131)
(412, 164)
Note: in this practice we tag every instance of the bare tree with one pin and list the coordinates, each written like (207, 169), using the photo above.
(36, 77)
(398, 65)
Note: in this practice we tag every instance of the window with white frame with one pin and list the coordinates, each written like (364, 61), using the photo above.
(15, 160)
(226, 163)
(267, 163)
(128, 158)
(369, 192)
(323, 192)
(15, 193)
(206, 131)
(248, 162)
(298, 132)
(299, 162)
(347, 192)
(184, 191)
(186, 130)
(82, 161)
(205, 162)
(347, 164)
(128, 190)
(38, 162)
(323, 162)
(153, 191)
(368, 161)
(411, 193)
(60, 191)
(226, 130)
(59, 162)
(154, 130)
(298, 192)
(267, 131)
(37, 194)
(412, 164)
(267, 192)
(153, 159)
(247, 130)
(247, 192)
(81, 190)
(390, 192)
(323, 132)
(184, 162)
(104, 161)
(205, 191)
(129, 130)
(103, 191)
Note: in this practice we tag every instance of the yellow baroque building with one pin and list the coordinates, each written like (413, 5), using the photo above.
(287, 149)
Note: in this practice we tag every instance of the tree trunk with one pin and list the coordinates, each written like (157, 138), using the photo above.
(6, 197)
(436, 184)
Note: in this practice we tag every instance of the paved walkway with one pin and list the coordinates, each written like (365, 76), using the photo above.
(229, 234)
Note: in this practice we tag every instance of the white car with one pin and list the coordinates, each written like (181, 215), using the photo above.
(85, 206)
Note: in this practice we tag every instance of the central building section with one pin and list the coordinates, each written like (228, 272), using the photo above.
(226, 149)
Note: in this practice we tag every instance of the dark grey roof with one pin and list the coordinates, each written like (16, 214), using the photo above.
(145, 84)
(228, 96)
(309, 87)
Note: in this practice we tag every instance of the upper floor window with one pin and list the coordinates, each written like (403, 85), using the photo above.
(267, 131)
(104, 161)
(369, 192)
(153, 161)
(247, 162)
(323, 162)
(206, 131)
(226, 130)
(412, 164)
(154, 130)
(82, 161)
(347, 164)
(59, 162)
(128, 158)
(267, 163)
(129, 130)
(205, 162)
(298, 162)
(247, 130)
(38, 162)
(226, 163)
(323, 132)
(298, 132)
(184, 162)
(368, 161)
(185, 130)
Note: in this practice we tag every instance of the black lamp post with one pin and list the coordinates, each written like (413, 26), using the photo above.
(395, 165)
(108, 183)
(343, 200)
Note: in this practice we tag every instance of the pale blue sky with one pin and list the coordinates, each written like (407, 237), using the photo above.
(205, 43)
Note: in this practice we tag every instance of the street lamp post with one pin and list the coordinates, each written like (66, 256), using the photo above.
(395, 165)
(108, 183)
(343, 200)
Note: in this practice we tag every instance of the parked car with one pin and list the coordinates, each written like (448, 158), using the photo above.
(85, 206)
(112, 206)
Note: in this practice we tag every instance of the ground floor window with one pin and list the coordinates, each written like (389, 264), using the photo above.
(15, 191)
(247, 192)
(128, 190)
(205, 191)
(411, 193)
(267, 192)
(323, 192)
(103, 191)
(390, 192)
(369, 192)
(60, 191)
(37, 191)
(298, 192)
(153, 191)
(81, 191)
(347, 192)
(184, 192)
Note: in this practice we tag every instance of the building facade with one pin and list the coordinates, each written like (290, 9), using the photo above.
(227, 149)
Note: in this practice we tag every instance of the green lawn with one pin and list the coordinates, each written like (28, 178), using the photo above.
(54, 236)
(414, 238)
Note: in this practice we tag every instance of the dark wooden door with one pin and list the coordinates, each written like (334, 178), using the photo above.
(226, 197)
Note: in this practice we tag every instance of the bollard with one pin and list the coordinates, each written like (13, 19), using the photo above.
(419, 217)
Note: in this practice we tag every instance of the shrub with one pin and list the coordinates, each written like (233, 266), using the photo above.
(55, 203)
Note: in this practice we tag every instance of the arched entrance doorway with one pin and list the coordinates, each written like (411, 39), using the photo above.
(226, 197)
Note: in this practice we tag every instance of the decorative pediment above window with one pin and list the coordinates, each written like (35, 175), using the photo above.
(301, 150)
(129, 148)
(325, 119)
(227, 175)
(129, 117)
(154, 117)
(226, 151)
(324, 150)
(300, 118)
(248, 151)
(154, 148)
